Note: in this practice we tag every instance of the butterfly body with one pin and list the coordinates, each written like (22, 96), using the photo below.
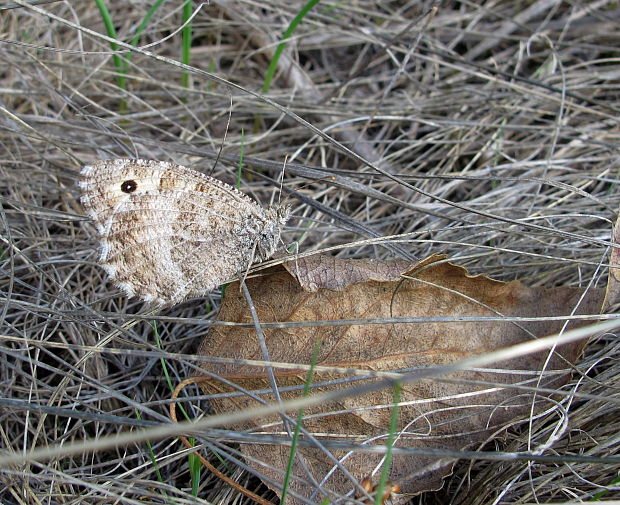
(168, 232)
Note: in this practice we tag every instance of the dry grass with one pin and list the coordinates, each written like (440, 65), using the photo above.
(494, 136)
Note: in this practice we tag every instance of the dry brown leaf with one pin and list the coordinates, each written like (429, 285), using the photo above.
(612, 294)
(326, 272)
(436, 414)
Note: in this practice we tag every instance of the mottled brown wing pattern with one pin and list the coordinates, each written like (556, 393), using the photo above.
(168, 232)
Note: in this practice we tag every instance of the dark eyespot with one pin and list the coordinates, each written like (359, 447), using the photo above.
(129, 186)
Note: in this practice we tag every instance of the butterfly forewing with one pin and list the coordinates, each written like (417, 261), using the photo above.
(168, 232)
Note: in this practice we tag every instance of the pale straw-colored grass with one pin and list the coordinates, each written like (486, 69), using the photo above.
(492, 133)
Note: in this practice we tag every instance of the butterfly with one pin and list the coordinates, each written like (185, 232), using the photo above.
(168, 232)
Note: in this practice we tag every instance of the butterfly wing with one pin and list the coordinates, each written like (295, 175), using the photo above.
(168, 232)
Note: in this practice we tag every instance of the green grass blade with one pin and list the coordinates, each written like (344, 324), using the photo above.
(152, 455)
(193, 462)
(273, 64)
(119, 63)
(604, 492)
(195, 468)
(162, 361)
(145, 21)
(300, 416)
(186, 40)
(387, 463)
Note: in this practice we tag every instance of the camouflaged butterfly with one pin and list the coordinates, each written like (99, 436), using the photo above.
(168, 232)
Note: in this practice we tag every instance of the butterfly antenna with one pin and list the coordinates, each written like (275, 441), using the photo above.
(247, 270)
(219, 152)
(282, 179)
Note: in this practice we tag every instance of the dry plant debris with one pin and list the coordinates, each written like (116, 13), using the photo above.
(447, 309)
(492, 133)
